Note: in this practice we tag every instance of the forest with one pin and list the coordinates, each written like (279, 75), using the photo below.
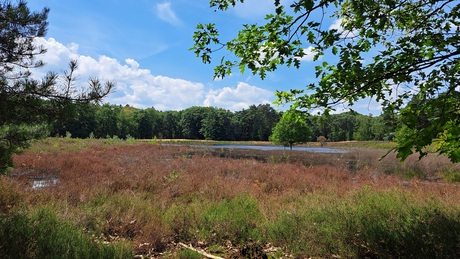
(253, 124)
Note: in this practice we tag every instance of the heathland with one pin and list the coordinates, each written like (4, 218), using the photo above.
(74, 198)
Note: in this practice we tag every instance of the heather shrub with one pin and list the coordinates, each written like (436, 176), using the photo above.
(306, 204)
(452, 176)
(10, 196)
(125, 215)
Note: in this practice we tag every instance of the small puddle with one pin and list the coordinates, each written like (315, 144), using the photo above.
(39, 182)
(36, 178)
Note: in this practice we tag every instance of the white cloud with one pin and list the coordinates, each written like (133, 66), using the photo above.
(238, 98)
(133, 63)
(57, 55)
(134, 85)
(139, 87)
(338, 26)
(165, 12)
(367, 106)
(309, 54)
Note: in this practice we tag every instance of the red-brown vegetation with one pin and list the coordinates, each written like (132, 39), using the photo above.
(123, 191)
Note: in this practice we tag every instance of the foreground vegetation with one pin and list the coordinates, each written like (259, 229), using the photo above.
(117, 199)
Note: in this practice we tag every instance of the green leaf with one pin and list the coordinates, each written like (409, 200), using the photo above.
(334, 50)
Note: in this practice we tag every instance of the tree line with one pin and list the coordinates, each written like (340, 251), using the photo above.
(402, 53)
(253, 124)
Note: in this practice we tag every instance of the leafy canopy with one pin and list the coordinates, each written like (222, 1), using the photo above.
(28, 105)
(291, 129)
(391, 50)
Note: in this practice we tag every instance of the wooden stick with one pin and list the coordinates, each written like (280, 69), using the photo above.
(201, 252)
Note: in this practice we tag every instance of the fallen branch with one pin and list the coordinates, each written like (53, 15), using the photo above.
(200, 252)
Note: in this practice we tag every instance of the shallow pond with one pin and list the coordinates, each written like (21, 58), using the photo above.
(268, 148)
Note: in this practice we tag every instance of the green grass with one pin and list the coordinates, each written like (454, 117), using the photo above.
(188, 254)
(66, 144)
(369, 224)
(40, 234)
(234, 219)
(366, 224)
(216, 221)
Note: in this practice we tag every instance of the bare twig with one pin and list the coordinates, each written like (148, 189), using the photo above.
(200, 252)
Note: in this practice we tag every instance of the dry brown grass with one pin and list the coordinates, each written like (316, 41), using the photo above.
(123, 191)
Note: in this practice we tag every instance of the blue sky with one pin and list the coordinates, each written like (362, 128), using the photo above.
(144, 47)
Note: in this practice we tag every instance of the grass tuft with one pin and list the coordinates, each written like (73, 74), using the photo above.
(40, 234)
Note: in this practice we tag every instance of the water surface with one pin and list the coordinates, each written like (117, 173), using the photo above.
(271, 147)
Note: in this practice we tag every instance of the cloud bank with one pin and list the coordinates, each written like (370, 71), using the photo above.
(238, 98)
(140, 87)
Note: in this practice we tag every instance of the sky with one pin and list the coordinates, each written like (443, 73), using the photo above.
(143, 46)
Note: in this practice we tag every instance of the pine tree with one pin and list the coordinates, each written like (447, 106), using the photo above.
(28, 105)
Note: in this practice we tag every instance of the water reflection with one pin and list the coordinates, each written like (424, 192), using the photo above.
(39, 182)
(268, 148)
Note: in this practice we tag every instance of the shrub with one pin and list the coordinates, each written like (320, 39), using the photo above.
(10, 197)
(452, 176)
(322, 140)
